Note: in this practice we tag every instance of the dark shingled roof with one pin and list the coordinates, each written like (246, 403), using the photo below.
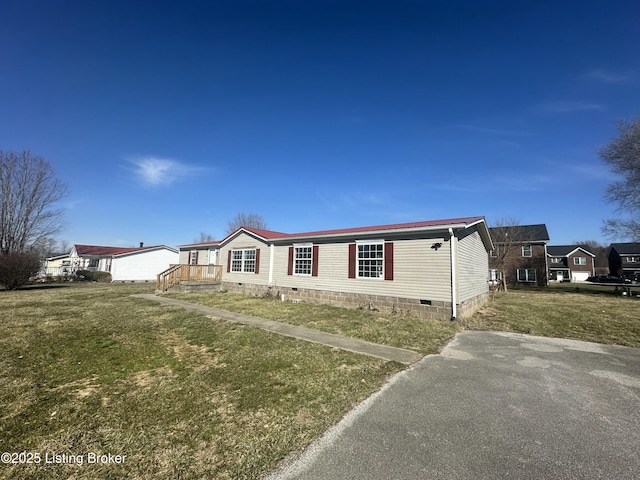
(521, 233)
(564, 250)
(626, 248)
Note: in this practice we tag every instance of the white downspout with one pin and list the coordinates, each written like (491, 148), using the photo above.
(454, 280)
(272, 251)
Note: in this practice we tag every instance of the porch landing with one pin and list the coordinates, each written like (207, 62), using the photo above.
(193, 286)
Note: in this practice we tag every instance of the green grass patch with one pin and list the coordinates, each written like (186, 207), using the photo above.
(582, 312)
(88, 369)
(421, 335)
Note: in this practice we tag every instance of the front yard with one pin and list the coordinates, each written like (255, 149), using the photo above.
(579, 311)
(86, 369)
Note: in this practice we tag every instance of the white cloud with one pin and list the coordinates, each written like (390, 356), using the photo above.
(569, 107)
(607, 77)
(157, 172)
(593, 171)
(71, 204)
(349, 201)
(497, 132)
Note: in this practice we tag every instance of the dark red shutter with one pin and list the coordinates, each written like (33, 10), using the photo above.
(197, 253)
(229, 262)
(388, 261)
(257, 261)
(290, 264)
(352, 260)
(314, 261)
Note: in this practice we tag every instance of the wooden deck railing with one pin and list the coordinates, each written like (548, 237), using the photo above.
(179, 273)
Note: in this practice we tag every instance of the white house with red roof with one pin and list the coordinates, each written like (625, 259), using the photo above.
(434, 269)
(130, 264)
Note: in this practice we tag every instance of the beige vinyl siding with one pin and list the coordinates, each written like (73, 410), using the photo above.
(204, 255)
(58, 263)
(420, 272)
(242, 241)
(184, 257)
(473, 265)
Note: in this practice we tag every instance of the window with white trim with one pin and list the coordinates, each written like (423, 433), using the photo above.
(556, 259)
(633, 259)
(527, 251)
(370, 260)
(526, 275)
(243, 261)
(579, 260)
(302, 259)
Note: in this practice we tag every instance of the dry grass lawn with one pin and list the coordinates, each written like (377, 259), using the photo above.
(88, 369)
(583, 312)
(85, 368)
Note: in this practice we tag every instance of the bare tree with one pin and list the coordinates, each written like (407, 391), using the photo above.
(204, 237)
(253, 220)
(29, 191)
(600, 251)
(506, 239)
(622, 154)
(64, 247)
(49, 246)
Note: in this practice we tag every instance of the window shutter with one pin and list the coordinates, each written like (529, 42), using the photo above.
(314, 261)
(257, 270)
(290, 264)
(388, 261)
(197, 253)
(229, 262)
(352, 260)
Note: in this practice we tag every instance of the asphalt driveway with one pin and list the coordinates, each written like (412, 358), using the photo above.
(492, 406)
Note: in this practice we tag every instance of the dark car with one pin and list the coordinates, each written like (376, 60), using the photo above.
(635, 278)
(607, 279)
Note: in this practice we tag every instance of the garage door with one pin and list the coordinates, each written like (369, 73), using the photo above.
(579, 276)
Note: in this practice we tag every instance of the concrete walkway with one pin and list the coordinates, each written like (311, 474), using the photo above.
(329, 339)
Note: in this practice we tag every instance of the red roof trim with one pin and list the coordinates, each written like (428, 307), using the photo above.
(102, 251)
(271, 235)
(200, 244)
(395, 226)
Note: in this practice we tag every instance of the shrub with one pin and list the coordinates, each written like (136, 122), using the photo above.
(16, 269)
(89, 276)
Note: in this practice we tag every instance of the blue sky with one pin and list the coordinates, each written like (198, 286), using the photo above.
(166, 119)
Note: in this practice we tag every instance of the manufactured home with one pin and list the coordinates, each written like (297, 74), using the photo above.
(433, 269)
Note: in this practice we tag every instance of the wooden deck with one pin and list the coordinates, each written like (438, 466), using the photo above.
(180, 273)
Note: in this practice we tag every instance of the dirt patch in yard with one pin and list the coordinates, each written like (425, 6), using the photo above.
(81, 388)
(146, 379)
(197, 357)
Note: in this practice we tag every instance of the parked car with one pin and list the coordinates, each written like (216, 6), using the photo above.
(607, 279)
(635, 278)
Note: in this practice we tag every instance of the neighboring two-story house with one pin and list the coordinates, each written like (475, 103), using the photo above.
(624, 260)
(519, 255)
(570, 263)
